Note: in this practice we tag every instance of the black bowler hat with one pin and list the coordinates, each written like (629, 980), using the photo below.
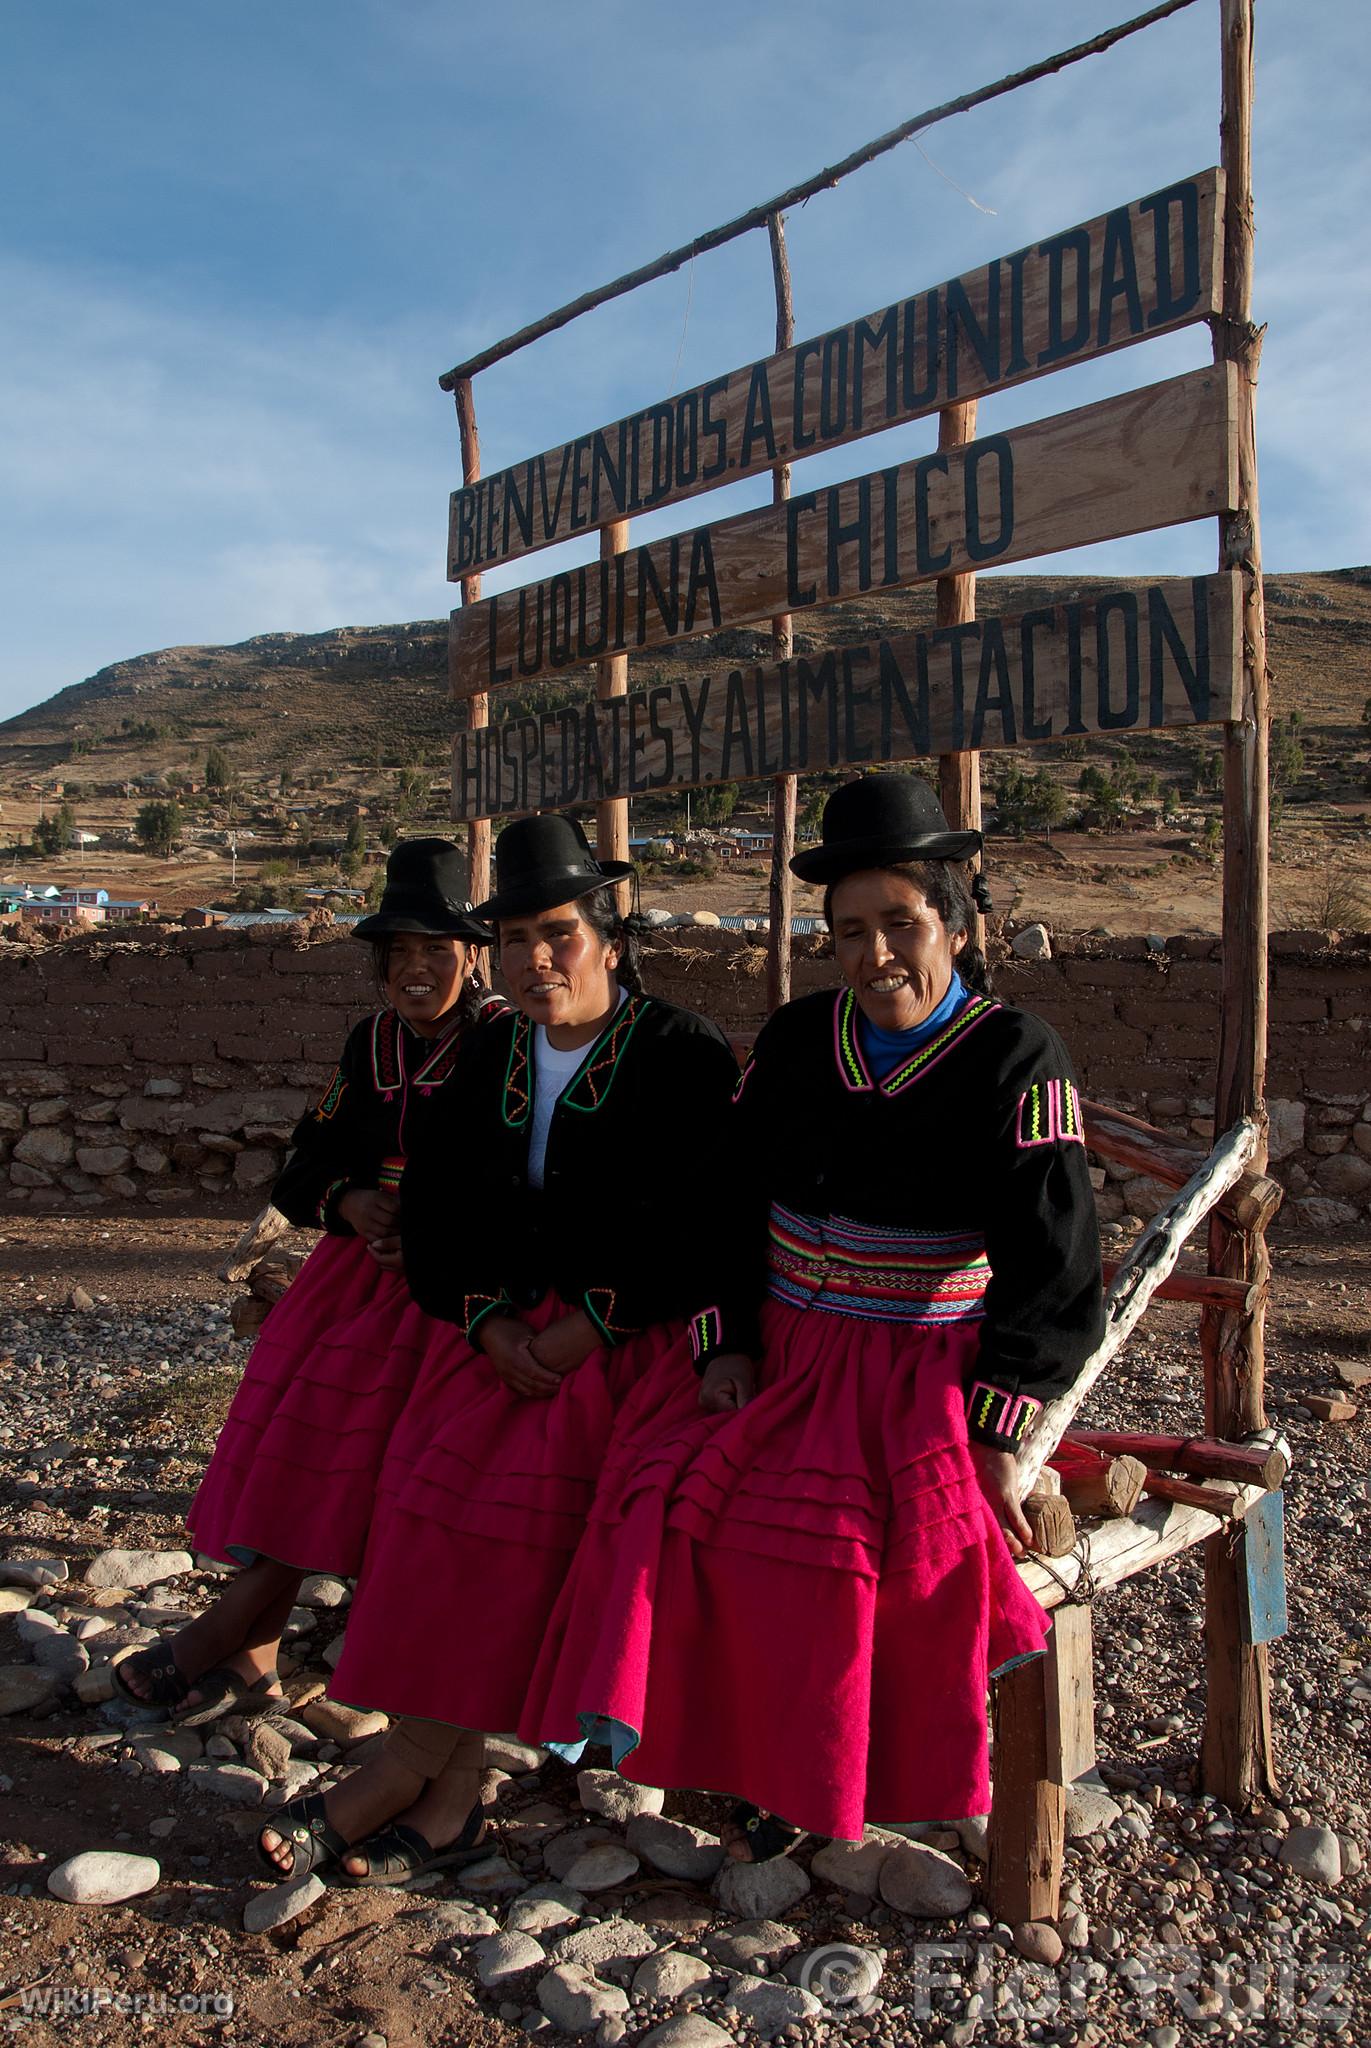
(425, 879)
(543, 861)
(877, 822)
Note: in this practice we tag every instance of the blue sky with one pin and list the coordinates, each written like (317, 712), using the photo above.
(238, 245)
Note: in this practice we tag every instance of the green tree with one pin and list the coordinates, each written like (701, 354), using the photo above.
(218, 769)
(716, 806)
(157, 826)
(54, 831)
(353, 857)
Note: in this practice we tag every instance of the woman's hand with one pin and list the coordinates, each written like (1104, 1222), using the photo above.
(374, 1215)
(998, 1473)
(508, 1344)
(567, 1343)
(729, 1382)
(387, 1253)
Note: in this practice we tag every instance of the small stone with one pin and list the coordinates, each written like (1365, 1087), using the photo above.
(184, 1744)
(752, 1942)
(1314, 1853)
(491, 1876)
(452, 1920)
(974, 1835)
(1038, 1942)
(25, 1687)
(1034, 942)
(575, 2000)
(502, 1957)
(1089, 1810)
(280, 1903)
(690, 2030)
(503, 1753)
(545, 1909)
(611, 2032)
(611, 1948)
(166, 1825)
(136, 1567)
(102, 1877)
(228, 1781)
(37, 1573)
(770, 2007)
(855, 1866)
(680, 1914)
(321, 1589)
(346, 1725)
(760, 1891)
(561, 1853)
(221, 1749)
(675, 1848)
(668, 1976)
(1329, 1408)
(1075, 1928)
(599, 1868)
(79, 1299)
(924, 1883)
(615, 1798)
(267, 1749)
(14, 1599)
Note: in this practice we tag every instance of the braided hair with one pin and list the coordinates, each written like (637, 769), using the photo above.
(602, 913)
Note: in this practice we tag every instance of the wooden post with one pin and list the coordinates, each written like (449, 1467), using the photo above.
(781, 896)
(1236, 1758)
(1028, 1812)
(478, 707)
(611, 680)
(959, 775)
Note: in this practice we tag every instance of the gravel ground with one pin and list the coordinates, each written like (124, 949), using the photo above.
(1180, 1921)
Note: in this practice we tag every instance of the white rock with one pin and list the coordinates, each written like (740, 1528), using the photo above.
(1089, 1809)
(502, 1957)
(1315, 1853)
(689, 2030)
(675, 1848)
(560, 1854)
(24, 1687)
(228, 1781)
(102, 1877)
(33, 1572)
(615, 1798)
(575, 2000)
(607, 1864)
(1321, 1212)
(667, 1976)
(545, 1909)
(611, 1948)
(32, 1627)
(770, 2007)
(1286, 1132)
(924, 1883)
(454, 1920)
(14, 1599)
(136, 1567)
(1034, 942)
(752, 1942)
(974, 1836)
(280, 1903)
(855, 1866)
(159, 1761)
(321, 1589)
(491, 1876)
(760, 1891)
(1038, 1942)
(504, 1753)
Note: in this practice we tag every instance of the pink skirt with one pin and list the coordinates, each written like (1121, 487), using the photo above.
(481, 1503)
(294, 1472)
(801, 1603)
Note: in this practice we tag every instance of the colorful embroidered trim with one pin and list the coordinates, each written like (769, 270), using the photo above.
(849, 1053)
(1049, 1113)
(863, 1269)
(386, 1069)
(706, 1334)
(596, 1077)
(327, 1105)
(518, 1096)
(335, 1187)
(476, 1307)
(389, 1177)
(748, 1064)
(599, 1306)
(994, 1412)
(440, 1061)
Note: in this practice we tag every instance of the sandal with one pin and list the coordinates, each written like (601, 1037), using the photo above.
(767, 1835)
(226, 1692)
(397, 1853)
(167, 1682)
(315, 1843)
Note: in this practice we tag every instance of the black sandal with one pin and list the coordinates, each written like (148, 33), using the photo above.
(767, 1835)
(315, 1843)
(396, 1854)
(226, 1692)
(168, 1684)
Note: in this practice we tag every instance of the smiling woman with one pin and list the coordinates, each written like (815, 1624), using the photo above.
(289, 1488)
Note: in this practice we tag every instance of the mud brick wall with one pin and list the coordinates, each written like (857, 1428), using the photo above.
(158, 1068)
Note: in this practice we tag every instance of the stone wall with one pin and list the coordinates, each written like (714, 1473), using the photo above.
(172, 1066)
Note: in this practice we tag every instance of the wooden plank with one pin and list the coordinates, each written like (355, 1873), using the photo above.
(1135, 657)
(959, 775)
(478, 704)
(1136, 271)
(1115, 1551)
(611, 681)
(1264, 1462)
(1069, 1684)
(1028, 1812)
(1113, 1134)
(1154, 457)
(1263, 1609)
(781, 883)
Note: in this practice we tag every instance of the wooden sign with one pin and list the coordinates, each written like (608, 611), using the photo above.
(1150, 458)
(1144, 655)
(1137, 271)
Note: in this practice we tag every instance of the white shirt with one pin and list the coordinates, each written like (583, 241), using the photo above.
(552, 1072)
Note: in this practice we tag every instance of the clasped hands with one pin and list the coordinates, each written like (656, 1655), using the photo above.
(374, 1214)
(535, 1362)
